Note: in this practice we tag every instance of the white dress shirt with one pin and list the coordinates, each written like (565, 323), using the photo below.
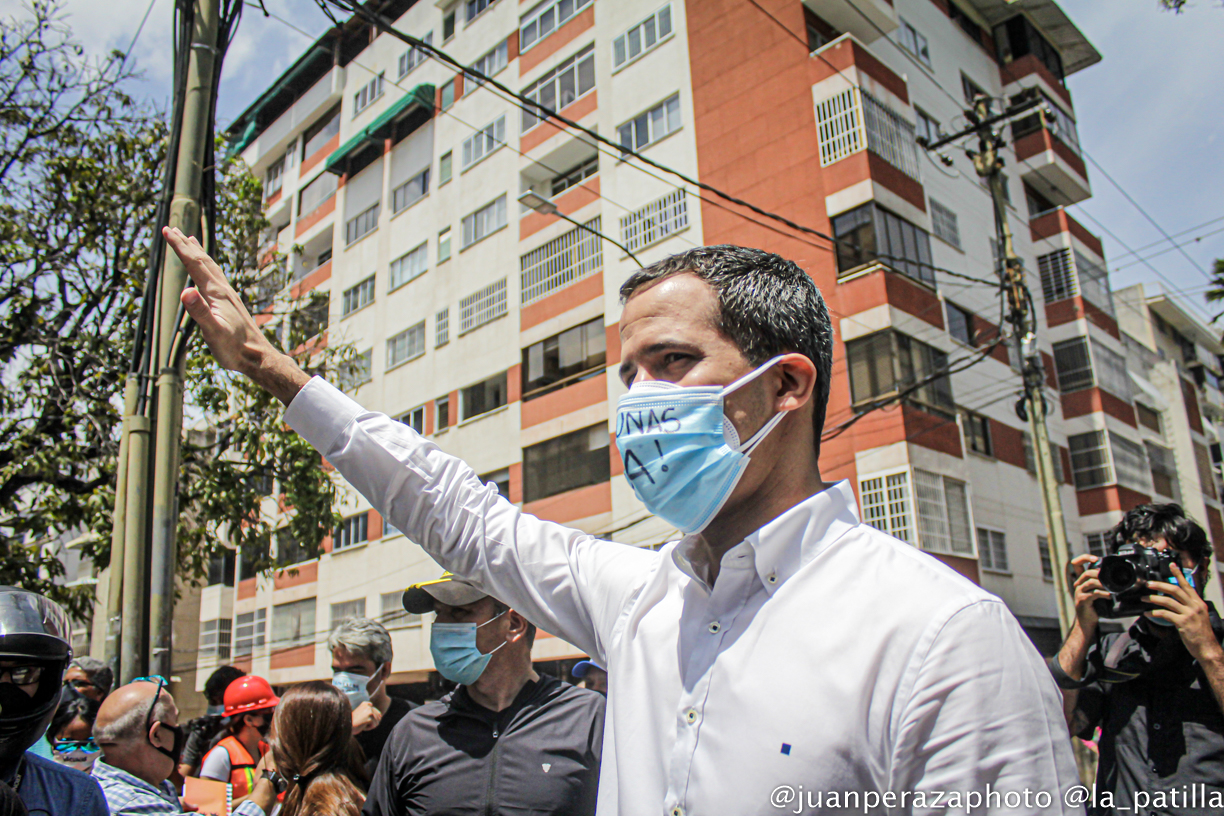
(828, 657)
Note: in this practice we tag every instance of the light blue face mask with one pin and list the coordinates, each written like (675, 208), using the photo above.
(455, 656)
(356, 687)
(682, 455)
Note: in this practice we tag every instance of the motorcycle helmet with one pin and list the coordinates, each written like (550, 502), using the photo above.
(34, 631)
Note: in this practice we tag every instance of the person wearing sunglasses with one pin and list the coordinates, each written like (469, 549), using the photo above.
(34, 652)
(71, 734)
(141, 740)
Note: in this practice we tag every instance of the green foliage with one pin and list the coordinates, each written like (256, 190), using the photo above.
(80, 173)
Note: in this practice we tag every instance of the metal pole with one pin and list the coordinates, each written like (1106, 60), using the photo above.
(114, 591)
(132, 638)
(185, 210)
(610, 240)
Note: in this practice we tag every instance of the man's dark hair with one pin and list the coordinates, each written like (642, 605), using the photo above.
(1148, 522)
(81, 708)
(767, 306)
(218, 682)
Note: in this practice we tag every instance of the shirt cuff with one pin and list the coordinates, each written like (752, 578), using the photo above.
(320, 412)
(249, 808)
(1064, 680)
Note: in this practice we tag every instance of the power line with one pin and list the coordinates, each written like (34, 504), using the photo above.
(1175, 235)
(136, 36)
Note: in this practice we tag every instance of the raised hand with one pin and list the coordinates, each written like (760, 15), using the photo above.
(226, 325)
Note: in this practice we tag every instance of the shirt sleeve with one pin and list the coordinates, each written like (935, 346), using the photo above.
(216, 765)
(249, 808)
(983, 715)
(563, 580)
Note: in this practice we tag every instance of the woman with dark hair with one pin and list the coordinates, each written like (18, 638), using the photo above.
(71, 734)
(315, 753)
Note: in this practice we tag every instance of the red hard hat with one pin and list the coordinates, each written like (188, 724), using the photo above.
(248, 694)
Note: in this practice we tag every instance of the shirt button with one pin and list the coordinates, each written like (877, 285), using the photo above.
(690, 716)
(715, 627)
(677, 811)
(1155, 726)
(773, 578)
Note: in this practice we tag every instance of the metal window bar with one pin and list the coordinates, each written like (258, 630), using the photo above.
(562, 261)
(1058, 278)
(1093, 282)
(889, 135)
(480, 307)
(655, 221)
(839, 125)
(886, 504)
(442, 327)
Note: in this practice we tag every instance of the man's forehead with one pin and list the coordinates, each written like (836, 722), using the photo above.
(682, 298)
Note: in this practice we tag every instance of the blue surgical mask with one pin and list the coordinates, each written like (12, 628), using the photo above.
(214, 711)
(356, 687)
(682, 455)
(455, 656)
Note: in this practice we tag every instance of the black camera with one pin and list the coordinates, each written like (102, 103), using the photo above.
(1124, 575)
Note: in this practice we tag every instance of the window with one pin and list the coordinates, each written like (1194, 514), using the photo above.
(251, 557)
(977, 433)
(321, 132)
(927, 127)
(214, 641)
(819, 32)
(1206, 470)
(409, 266)
(414, 56)
(655, 221)
(1077, 370)
(1164, 470)
(1036, 202)
(651, 126)
(362, 224)
(482, 397)
(356, 371)
(477, 7)
(971, 89)
(347, 609)
(566, 462)
(351, 531)
(291, 551)
(275, 177)
(316, 193)
(410, 192)
(442, 327)
(442, 412)
(943, 514)
(445, 167)
(567, 258)
(1090, 465)
(1097, 543)
(575, 176)
(485, 221)
(293, 624)
(1030, 457)
(394, 616)
(886, 504)
(407, 345)
(415, 419)
(992, 550)
(1058, 279)
(1093, 282)
(1018, 37)
(890, 135)
(960, 324)
(572, 356)
(966, 23)
(221, 569)
(912, 41)
(943, 221)
(500, 479)
(367, 94)
(870, 233)
(1130, 463)
(556, 89)
(444, 245)
(839, 126)
(1043, 551)
(492, 62)
(447, 99)
(642, 37)
(357, 297)
(888, 362)
(448, 26)
(546, 18)
(250, 632)
(481, 306)
(484, 141)
(1148, 417)
(1048, 115)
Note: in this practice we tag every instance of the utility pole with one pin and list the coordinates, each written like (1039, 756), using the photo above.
(989, 165)
(185, 213)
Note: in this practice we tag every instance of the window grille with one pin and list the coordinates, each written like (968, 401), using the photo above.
(655, 221)
(480, 307)
(563, 260)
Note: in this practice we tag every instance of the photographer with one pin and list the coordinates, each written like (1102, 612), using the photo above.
(1157, 689)
(203, 733)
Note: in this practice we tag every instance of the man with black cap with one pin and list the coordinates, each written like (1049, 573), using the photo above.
(34, 652)
(507, 740)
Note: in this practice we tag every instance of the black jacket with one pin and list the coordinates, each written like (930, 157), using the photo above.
(539, 756)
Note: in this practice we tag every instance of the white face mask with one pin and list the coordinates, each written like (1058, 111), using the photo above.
(355, 686)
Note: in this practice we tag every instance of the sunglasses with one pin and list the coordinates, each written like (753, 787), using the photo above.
(22, 675)
(161, 684)
(67, 746)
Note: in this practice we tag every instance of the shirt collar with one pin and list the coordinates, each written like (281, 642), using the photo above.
(103, 770)
(782, 546)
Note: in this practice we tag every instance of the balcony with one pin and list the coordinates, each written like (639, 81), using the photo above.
(867, 20)
(1050, 165)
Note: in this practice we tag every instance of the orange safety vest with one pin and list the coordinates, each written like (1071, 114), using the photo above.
(242, 765)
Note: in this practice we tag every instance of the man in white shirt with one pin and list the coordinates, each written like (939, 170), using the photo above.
(783, 656)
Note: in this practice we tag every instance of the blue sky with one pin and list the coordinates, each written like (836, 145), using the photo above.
(1148, 113)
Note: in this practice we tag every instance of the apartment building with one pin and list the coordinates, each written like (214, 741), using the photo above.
(392, 182)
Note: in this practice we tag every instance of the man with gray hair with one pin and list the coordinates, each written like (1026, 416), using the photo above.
(361, 664)
(90, 677)
(138, 731)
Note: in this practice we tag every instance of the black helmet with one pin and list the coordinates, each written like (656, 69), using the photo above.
(33, 631)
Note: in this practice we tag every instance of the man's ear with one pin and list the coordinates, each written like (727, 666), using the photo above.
(798, 382)
(517, 626)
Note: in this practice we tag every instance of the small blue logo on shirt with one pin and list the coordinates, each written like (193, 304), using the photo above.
(786, 748)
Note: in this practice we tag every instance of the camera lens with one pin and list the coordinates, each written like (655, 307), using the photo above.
(1117, 575)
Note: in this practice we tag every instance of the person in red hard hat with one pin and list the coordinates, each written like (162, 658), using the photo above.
(249, 703)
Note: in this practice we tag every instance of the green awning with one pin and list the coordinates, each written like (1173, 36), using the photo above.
(422, 96)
